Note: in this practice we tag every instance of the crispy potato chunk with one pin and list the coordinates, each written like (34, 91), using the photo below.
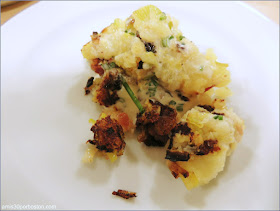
(108, 135)
(201, 142)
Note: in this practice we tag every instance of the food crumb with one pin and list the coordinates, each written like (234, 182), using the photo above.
(124, 194)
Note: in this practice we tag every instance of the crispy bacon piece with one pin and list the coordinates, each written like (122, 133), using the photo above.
(108, 135)
(207, 107)
(210, 87)
(150, 47)
(156, 124)
(107, 93)
(124, 194)
(182, 97)
(174, 155)
(88, 85)
(96, 67)
(207, 147)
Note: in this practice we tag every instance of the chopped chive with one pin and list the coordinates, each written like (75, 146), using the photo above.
(201, 68)
(181, 37)
(125, 31)
(112, 65)
(132, 95)
(131, 33)
(171, 37)
(153, 80)
(180, 107)
(220, 117)
(107, 66)
(162, 16)
(172, 102)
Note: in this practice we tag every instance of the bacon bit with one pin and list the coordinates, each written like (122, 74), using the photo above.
(108, 135)
(96, 67)
(207, 147)
(207, 107)
(124, 121)
(106, 94)
(156, 124)
(88, 86)
(208, 88)
(174, 155)
(179, 46)
(218, 113)
(124, 194)
(182, 97)
(181, 128)
(150, 47)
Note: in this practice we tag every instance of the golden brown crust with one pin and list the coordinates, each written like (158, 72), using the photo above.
(124, 194)
(108, 135)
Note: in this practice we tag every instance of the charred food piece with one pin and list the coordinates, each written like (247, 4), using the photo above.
(124, 194)
(176, 170)
(106, 94)
(96, 66)
(156, 124)
(172, 153)
(108, 135)
(89, 85)
(207, 107)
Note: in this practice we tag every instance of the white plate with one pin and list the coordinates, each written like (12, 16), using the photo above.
(44, 117)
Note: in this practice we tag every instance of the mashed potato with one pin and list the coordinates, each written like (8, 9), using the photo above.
(146, 60)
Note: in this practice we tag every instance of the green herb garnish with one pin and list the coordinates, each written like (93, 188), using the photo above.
(181, 37)
(172, 102)
(220, 117)
(130, 32)
(171, 37)
(132, 95)
(162, 16)
(153, 84)
(107, 66)
(201, 68)
(112, 65)
(179, 107)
